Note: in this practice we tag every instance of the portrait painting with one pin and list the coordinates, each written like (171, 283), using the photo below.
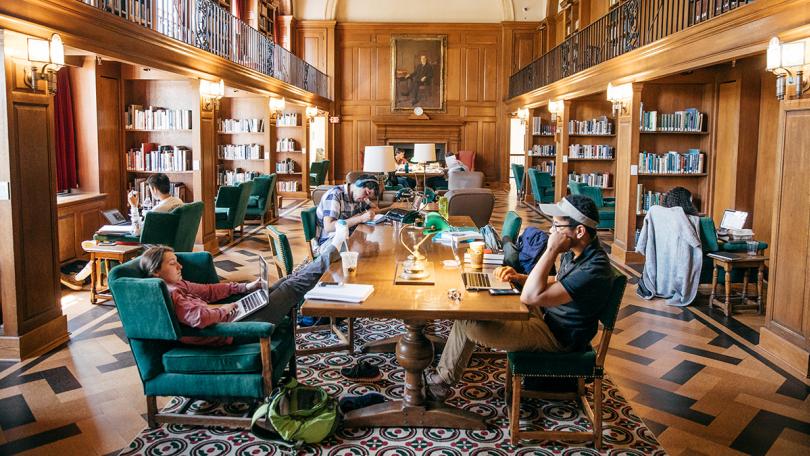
(418, 72)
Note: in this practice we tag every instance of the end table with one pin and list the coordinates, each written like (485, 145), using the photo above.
(728, 261)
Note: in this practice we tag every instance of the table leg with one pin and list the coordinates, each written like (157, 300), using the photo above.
(745, 286)
(714, 286)
(760, 280)
(728, 291)
(414, 354)
(389, 344)
(93, 278)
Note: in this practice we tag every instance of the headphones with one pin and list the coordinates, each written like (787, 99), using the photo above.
(363, 181)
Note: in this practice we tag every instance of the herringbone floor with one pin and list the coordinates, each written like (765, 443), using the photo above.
(696, 378)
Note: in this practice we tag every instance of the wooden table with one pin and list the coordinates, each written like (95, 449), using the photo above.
(380, 249)
(104, 253)
(728, 261)
(431, 172)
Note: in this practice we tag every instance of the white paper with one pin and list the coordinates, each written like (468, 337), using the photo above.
(634, 170)
(348, 292)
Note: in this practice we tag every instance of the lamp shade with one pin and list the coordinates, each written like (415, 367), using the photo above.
(39, 50)
(379, 159)
(423, 153)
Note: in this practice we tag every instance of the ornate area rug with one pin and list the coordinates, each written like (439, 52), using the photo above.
(481, 391)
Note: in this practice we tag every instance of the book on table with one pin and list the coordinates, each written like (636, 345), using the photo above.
(115, 229)
(346, 292)
(489, 258)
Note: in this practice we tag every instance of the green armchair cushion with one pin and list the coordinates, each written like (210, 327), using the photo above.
(253, 201)
(221, 213)
(553, 364)
(262, 196)
(221, 386)
(227, 359)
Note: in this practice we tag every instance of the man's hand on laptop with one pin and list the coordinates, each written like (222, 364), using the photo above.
(230, 309)
(508, 274)
(255, 285)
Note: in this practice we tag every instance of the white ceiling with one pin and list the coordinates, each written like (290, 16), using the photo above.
(420, 10)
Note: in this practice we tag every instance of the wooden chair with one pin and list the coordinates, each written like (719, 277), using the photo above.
(283, 260)
(587, 364)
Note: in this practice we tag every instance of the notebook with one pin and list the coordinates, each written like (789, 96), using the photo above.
(347, 292)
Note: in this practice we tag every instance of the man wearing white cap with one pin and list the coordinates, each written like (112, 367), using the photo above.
(564, 309)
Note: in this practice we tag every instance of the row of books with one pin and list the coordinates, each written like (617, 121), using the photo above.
(240, 151)
(286, 145)
(287, 120)
(241, 125)
(671, 162)
(287, 166)
(539, 150)
(539, 128)
(155, 118)
(598, 126)
(288, 186)
(549, 167)
(602, 151)
(145, 198)
(235, 177)
(688, 120)
(154, 157)
(645, 200)
(603, 180)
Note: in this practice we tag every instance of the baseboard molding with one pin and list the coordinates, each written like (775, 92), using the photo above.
(35, 343)
(784, 353)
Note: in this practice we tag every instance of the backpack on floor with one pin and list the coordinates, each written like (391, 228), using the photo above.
(297, 414)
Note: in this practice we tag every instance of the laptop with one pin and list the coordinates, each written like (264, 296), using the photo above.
(476, 281)
(256, 300)
(114, 217)
(732, 220)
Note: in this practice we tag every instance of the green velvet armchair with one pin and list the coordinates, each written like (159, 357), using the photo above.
(606, 206)
(518, 172)
(542, 186)
(711, 244)
(261, 202)
(176, 229)
(309, 221)
(511, 226)
(231, 207)
(584, 365)
(247, 369)
(318, 172)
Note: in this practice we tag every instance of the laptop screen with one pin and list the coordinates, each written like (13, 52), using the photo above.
(114, 217)
(263, 271)
(733, 220)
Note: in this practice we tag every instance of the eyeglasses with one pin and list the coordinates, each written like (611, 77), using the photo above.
(555, 226)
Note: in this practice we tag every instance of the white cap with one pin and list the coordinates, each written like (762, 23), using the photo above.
(565, 209)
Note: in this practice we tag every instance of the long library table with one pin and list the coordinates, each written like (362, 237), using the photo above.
(380, 251)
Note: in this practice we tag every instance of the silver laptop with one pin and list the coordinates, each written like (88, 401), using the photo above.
(733, 220)
(256, 300)
(475, 281)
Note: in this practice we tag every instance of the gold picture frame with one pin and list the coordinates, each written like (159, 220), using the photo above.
(417, 72)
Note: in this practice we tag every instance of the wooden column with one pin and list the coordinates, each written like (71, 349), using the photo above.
(561, 149)
(786, 334)
(205, 167)
(286, 32)
(627, 144)
(32, 321)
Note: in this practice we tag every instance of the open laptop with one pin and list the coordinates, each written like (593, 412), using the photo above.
(475, 281)
(115, 217)
(732, 220)
(256, 300)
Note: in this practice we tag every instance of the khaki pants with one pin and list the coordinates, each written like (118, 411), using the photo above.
(530, 335)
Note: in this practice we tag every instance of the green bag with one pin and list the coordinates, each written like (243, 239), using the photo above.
(297, 413)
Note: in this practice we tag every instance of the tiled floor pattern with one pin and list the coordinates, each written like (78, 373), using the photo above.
(694, 376)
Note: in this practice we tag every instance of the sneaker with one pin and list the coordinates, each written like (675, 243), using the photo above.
(349, 403)
(436, 389)
(363, 370)
(69, 281)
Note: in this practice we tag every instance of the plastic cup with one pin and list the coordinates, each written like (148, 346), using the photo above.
(476, 259)
(477, 247)
(349, 261)
(753, 246)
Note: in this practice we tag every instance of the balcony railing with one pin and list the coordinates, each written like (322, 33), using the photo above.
(207, 26)
(630, 25)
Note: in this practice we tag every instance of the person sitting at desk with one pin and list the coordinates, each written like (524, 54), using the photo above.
(350, 202)
(191, 300)
(453, 165)
(404, 181)
(564, 309)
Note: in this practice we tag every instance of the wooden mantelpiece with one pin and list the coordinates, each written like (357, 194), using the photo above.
(398, 129)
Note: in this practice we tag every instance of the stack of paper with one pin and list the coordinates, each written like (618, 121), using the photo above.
(347, 292)
(115, 229)
(489, 258)
(446, 237)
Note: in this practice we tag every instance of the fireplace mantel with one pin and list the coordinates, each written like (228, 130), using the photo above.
(403, 130)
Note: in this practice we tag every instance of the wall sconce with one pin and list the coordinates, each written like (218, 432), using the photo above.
(555, 107)
(311, 112)
(619, 95)
(45, 58)
(781, 58)
(277, 106)
(523, 115)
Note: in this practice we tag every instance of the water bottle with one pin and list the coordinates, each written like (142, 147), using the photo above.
(443, 207)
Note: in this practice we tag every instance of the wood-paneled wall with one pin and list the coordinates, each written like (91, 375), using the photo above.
(474, 87)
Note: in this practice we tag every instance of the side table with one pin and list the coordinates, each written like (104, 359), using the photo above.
(103, 254)
(728, 261)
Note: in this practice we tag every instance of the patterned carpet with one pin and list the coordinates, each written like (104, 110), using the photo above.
(481, 391)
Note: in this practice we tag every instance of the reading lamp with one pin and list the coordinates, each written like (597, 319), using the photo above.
(415, 268)
(45, 58)
(781, 58)
(379, 160)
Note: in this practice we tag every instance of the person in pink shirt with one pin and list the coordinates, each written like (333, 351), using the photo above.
(191, 300)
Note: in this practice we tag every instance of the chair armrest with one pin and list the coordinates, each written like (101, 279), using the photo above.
(739, 246)
(609, 201)
(117, 238)
(257, 329)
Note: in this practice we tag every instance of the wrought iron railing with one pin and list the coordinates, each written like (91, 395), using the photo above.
(207, 26)
(630, 25)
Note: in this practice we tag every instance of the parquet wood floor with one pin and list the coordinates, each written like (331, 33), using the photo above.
(696, 377)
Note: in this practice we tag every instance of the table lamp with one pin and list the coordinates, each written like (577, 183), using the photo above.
(423, 154)
(379, 159)
(416, 268)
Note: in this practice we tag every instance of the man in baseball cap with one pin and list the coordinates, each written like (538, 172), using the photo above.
(565, 309)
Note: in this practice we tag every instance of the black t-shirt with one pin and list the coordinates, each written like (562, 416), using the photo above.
(588, 279)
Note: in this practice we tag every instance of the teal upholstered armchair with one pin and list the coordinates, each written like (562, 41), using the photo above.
(248, 368)
(542, 186)
(231, 207)
(511, 226)
(518, 172)
(176, 229)
(711, 244)
(585, 365)
(309, 221)
(318, 172)
(606, 206)
(261, 202)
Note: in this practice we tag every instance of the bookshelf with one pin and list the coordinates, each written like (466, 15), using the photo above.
(245, 138)
(542, 148)
(590, 152)
(266, 17)
(291, 162)
(159, 131)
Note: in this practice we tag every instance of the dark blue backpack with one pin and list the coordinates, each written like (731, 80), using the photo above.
(526, 253)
